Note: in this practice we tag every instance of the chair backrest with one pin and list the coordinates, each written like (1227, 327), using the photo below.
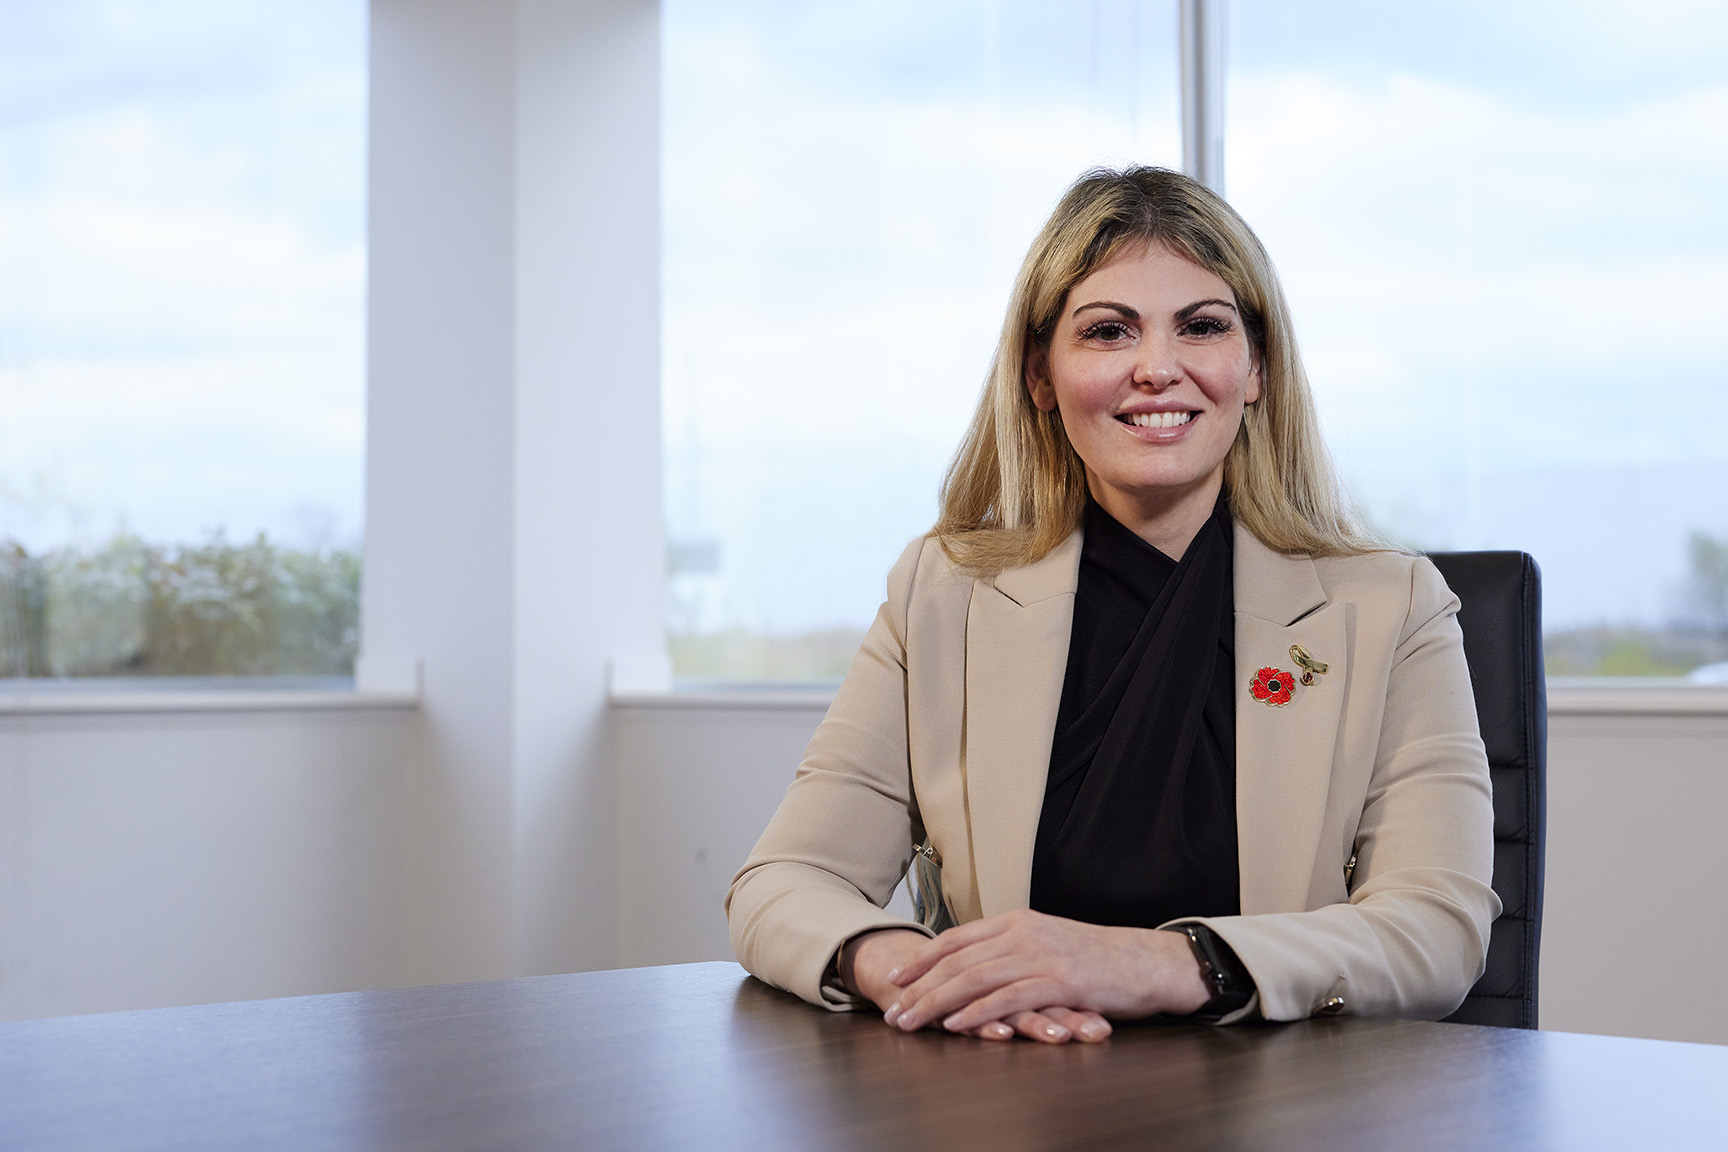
(1501, 615)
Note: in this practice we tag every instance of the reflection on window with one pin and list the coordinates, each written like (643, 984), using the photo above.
(1501, 228)
(848, 192)
(181, 336)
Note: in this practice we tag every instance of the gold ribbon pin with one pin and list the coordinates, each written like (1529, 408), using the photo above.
(1310, 666)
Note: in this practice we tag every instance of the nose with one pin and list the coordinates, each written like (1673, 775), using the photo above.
(1156, 367)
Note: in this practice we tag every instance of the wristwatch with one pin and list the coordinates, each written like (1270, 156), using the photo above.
(1223, 973)
(835, 977)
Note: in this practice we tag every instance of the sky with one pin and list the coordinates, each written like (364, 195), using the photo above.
(1503, 242)
(182, 270)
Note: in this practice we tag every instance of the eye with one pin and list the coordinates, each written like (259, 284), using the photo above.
(1204, 326)
(1107, 331)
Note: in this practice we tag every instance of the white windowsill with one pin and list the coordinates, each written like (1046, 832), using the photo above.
(1634, 696)
(175, 695)
(1568, 696)
(787, 697)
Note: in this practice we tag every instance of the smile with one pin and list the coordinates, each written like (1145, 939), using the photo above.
(1156, 419)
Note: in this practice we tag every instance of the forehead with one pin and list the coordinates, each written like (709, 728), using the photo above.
(1153, 273)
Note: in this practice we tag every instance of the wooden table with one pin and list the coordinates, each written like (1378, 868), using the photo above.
(701, 1056)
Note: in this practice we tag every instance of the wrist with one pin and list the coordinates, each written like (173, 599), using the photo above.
(863, 962)
(1228, 985)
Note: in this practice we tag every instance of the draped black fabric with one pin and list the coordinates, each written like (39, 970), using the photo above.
(1139, 818)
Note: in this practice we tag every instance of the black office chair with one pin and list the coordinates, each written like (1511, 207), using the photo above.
(1501, 615)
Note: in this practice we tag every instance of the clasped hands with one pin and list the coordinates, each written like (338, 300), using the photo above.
(1025, 973)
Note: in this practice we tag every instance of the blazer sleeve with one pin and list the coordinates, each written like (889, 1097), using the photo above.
(843, 836)
(1413, 936)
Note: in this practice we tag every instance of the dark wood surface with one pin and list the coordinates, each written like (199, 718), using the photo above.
(701, 1056)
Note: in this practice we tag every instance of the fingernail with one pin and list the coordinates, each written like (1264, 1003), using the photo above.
(893, 1011)
(998, 1031)
(1056, 1032)
(951, 1022)
(1092, 1030)
(894, 974)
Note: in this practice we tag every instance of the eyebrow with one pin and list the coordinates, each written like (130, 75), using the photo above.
(1109, 305)
(1184, 313)
(1133, 314)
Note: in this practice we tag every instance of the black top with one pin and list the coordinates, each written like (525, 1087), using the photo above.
(1139, 818)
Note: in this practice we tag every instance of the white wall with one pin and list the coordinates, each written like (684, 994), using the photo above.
(696, 785)
(175, 858)
(1634, 933)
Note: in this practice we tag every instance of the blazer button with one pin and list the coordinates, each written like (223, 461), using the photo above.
(1330, 1006)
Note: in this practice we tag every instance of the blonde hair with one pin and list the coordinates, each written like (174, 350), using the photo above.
(1017, 488)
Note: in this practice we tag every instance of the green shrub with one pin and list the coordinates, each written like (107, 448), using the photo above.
(132, 608)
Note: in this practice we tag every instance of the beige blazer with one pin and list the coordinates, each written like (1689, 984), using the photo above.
(944, 724)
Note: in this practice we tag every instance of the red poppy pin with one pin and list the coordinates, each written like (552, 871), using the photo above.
(1272, 687)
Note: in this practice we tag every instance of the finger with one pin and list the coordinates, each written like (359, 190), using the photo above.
(934, 951)
(995, 1030)
(956, 979)
(1040, 1027)
(1087, 1026)
(1032, 994)
(944, 991)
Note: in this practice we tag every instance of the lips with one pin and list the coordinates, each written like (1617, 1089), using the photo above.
(1156, 419)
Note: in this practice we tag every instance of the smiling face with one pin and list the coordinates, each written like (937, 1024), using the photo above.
(1150, 367)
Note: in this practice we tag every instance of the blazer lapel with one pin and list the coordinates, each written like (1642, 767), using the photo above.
(1283, 754)
(1017, 632)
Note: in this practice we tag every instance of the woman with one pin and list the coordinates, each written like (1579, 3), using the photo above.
(1181, 740)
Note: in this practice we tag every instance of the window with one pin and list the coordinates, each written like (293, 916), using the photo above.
(182, 269)
(848, 192)
(1499, 226)
(1501, 229)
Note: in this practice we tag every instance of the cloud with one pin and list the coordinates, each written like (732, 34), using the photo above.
(182, 268)
(1466, 270)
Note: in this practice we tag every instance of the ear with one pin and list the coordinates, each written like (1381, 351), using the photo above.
(1253, 390)
(1038, 384)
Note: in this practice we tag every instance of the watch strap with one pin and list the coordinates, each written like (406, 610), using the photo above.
(1221, 969)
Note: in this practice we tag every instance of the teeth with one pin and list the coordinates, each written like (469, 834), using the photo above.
(1160, 419)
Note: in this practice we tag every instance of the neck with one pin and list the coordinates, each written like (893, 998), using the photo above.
(1166, 519)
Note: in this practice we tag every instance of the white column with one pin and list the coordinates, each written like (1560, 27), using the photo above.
(513, 511)
(590, 548)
